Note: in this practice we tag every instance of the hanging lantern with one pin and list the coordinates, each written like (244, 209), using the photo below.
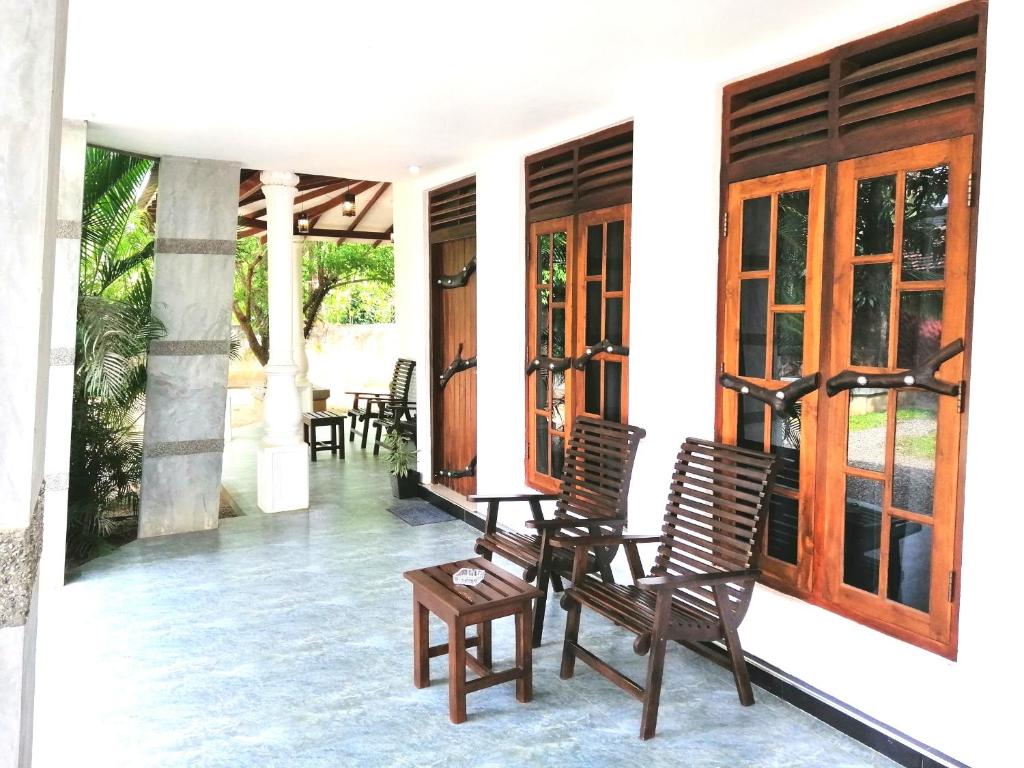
(348, 204)
(302, 224)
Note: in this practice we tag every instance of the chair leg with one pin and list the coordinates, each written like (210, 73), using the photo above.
(312, 442)
(540, 606)
(334, 439)
(732, 644)
(483, 653)
(572, 635)
(376, 440)
(524, 657)
(352, 427)
(456, 673)
(420, 645)
(366, 429)
(556, 583)
(652, 690)
(655, 666)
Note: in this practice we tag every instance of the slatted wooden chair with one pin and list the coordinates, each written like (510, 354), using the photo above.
(700, 587)
(595, 484)
(370, 406)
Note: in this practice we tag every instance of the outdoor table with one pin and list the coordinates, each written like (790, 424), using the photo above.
(499, 594)
(336, 421)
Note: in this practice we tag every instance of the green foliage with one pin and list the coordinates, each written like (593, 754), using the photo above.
(350, 282)
(115, 327)
(399, 455)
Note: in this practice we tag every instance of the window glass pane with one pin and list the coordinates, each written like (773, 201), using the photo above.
(750, 423)
(613, 270)
(791, 247)
(542, 388)
(542, 323)
(872, 285)
(786, 447)
(920, 327)
(558, 401)
(753, 327)
(926, 200)
(613, 321)
(593, 319)
(783, 528)
(558, 266)
(557, 455)
(757, 221)
(910, 563)
(543, 258)
(913, 478)
(868, 425)
(876, 214)
(862, 540)
(612, 391)
(788, 345)
(542, 444)
(595, 244)
(558, 332)
(592, 387)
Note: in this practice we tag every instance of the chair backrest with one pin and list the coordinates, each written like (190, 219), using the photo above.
(401, 379)
(597, 469)
(711, 519)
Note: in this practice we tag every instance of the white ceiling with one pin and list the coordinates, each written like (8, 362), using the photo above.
(363, 89)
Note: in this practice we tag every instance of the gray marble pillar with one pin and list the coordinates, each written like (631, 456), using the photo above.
(187, 373)
(32, 42)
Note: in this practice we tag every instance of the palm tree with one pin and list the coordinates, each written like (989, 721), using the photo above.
(115, 327)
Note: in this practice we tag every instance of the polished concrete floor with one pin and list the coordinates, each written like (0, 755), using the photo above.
(285, 641)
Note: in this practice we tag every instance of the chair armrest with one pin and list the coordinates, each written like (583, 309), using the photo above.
(658, 583)
(609, 540)
(367, 393)
(516, 497)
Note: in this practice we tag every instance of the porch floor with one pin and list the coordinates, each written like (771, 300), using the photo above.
(285, 640)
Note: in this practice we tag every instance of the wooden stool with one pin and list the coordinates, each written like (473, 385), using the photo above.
(499, 594)
(314, 419)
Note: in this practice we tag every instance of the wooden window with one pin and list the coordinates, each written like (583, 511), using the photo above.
(578, 296)
(771, 336)
(578, 263)
(880, 135)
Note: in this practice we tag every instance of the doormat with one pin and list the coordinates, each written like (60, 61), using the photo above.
(419, 512)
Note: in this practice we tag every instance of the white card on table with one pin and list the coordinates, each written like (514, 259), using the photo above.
(468, 576)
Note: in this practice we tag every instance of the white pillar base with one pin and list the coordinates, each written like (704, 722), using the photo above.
(282, 477)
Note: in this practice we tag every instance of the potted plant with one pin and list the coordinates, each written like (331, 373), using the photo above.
(400, 457)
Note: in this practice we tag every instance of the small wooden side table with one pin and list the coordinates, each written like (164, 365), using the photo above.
(499, 594)
(336, 421)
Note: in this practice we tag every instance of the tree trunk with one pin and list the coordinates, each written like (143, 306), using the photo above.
(260, 348)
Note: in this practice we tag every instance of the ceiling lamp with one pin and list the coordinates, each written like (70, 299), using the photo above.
(348, 204)
(302, 224)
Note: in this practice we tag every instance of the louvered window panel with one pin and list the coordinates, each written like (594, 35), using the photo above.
(910, 79)
(787, 114)
(453, 211)
(915, 83)
(588, 174)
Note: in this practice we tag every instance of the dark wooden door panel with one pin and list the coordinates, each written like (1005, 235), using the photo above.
(454, 334)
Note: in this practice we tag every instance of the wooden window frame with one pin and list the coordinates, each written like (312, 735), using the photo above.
(964, 117)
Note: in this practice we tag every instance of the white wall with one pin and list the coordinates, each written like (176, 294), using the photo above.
(955, 707)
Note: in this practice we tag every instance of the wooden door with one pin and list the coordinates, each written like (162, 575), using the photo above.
(772, 322)
(454, 337)
(902, 234)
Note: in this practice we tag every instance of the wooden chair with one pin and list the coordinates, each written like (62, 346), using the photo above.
(400, 417)
(700, 587)
(369, 406)
(592, 501)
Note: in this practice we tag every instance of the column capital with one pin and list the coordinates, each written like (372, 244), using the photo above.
(278, 179)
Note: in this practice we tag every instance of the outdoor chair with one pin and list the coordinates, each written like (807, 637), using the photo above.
(396, 417)
(370, 406)
(592, 501)
(700, 586)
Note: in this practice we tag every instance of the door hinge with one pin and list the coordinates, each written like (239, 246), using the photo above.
(951, 586)
(960, 396)
(725, 224)
(970, 189)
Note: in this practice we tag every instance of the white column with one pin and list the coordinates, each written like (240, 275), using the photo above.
(282, 467)
(301, 361)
